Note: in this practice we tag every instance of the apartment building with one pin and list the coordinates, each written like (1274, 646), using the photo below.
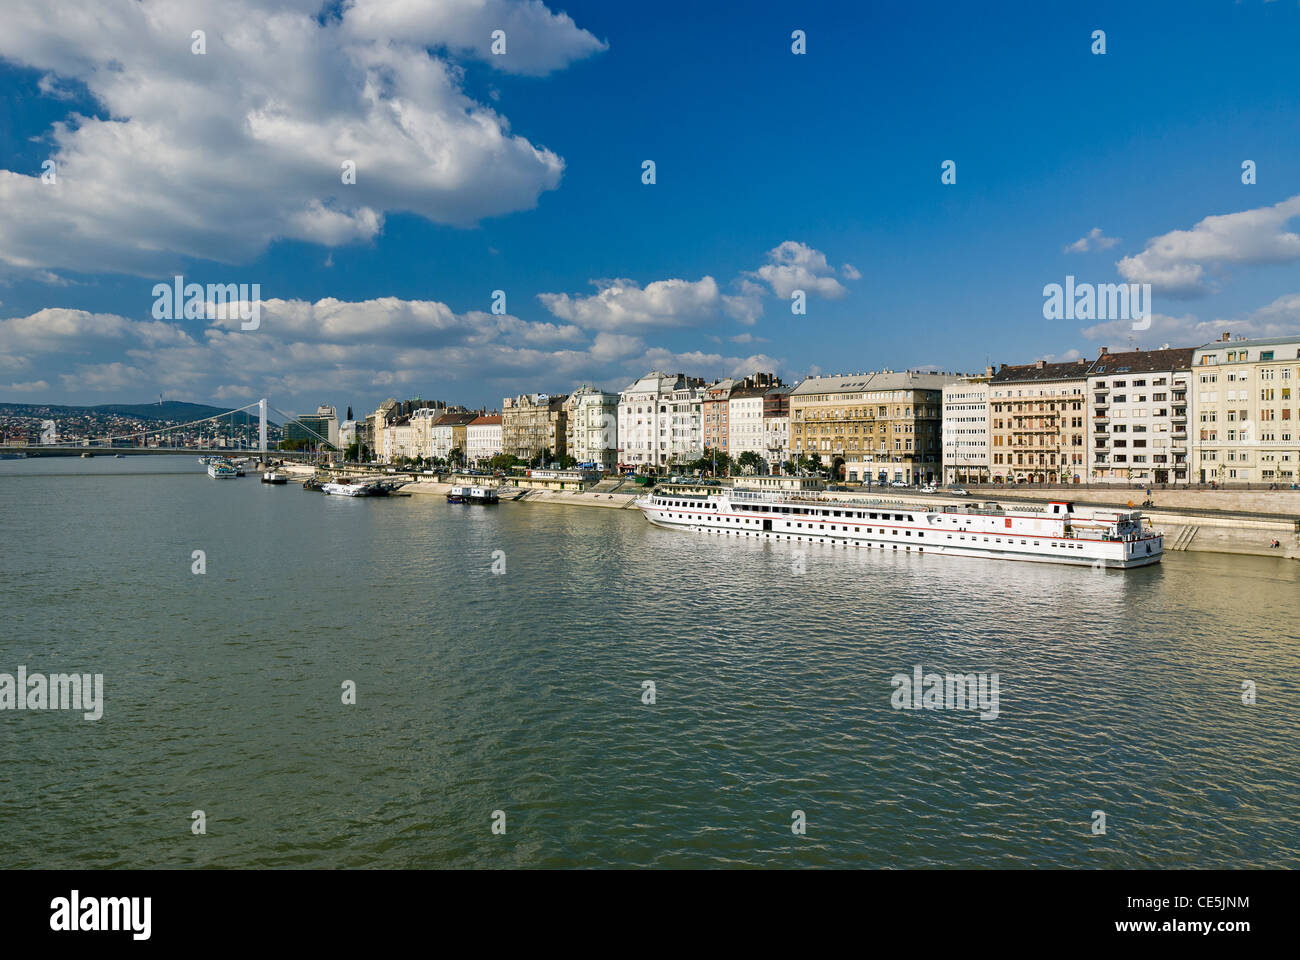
(715, 410)
(1037, 427)
(483, 438)
(881, 427)
(966, 430)
(660, 421)
(592, 427)
(1245, 410)
(532, 423)
(1137, 416)
(759, 418)
(449, 436)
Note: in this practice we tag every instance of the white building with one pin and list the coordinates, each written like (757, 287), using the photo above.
(1137, 416)
(759, 422)
(591, 427)
(483, 438)
(966, 430)
(347, 434)
(660, 421)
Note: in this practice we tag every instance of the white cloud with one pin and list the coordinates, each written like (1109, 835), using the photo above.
(796, 266)
(1066, 357)
(537, 40)
(1175, 263)
(707, 364)
(302, 348)
(32, 386)
(1093, 239)
(622, 305)
(216, 156)
(1281, 318)
(850, 272)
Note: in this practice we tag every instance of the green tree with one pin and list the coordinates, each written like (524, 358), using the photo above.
(749, 461)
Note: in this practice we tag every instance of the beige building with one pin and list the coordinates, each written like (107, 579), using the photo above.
(450, 436)
(882, 427)
(1245, 411)
(532, 423)
(1137, 416)
(1037, 428)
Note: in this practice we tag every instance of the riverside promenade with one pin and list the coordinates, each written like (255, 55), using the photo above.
(1235, 521)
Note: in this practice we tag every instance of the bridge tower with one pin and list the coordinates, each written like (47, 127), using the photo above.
(261, 425)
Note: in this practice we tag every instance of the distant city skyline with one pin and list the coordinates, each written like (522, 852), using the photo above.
(228, 157)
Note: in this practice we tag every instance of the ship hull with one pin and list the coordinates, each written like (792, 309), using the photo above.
(917, 532)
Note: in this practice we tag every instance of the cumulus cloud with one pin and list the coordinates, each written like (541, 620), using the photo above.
(796, 266)
(215, 156)
(1280, 318)
(302, 348)
(660, 358)
(622, 305)
(1094, 239)
(1176, 262)
(537, 41)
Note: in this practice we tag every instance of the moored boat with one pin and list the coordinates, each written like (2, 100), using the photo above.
(356, 488)
(1054, 533)
(221, 471)
(473, 494)
(275, 476)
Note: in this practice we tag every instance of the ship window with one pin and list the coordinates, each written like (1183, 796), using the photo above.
(835, 513)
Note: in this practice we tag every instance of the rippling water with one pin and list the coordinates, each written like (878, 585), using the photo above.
(522, 692)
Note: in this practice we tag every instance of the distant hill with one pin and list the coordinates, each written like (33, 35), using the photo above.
(170, 411)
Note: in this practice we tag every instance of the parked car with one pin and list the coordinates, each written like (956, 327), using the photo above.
(929, 488)
(957, 491)
(900, 483)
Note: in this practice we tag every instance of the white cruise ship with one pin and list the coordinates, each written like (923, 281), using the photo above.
(1055, 533)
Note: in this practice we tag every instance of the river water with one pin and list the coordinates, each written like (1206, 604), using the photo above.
(522, 691)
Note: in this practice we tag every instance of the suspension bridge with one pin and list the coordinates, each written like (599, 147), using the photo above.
(203, 436)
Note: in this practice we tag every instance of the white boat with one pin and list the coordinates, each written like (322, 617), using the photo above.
(1055, 533)
(473, 494)
(275, 476)
(356, 488)
(221, 471)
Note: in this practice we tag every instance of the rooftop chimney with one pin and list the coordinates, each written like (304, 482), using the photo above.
(1040, 364)
(1104, 351)
(1226, 337)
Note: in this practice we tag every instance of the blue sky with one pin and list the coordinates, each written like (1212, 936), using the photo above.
(773, 170)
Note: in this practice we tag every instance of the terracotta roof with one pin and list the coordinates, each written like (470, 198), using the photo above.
(491, 420)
